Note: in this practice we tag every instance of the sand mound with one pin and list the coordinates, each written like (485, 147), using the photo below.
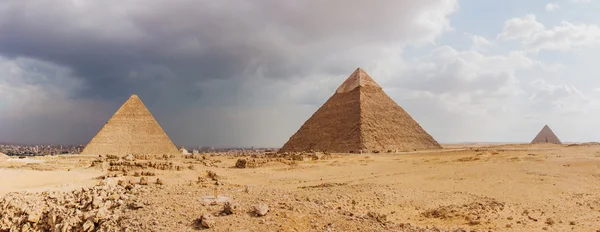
(3, 157)
(588, 144)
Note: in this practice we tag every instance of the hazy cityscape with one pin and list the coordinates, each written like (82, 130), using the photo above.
(12, 149)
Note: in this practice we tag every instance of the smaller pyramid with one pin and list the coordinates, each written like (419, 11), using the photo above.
(546, 135)
(131, 130)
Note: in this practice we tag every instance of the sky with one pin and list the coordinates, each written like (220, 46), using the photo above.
(250, 73)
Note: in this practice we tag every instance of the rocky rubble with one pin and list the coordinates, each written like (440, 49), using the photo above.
(86, 209)
(250, 163)
(259, 160)
(473, 213)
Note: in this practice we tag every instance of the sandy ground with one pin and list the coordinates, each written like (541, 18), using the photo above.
(481, 188)
(15, 180)
(37, 174)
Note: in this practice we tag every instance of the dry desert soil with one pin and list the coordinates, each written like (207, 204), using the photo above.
(460, 188)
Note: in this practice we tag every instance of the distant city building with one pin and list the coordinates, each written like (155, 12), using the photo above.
(39, 150)
(184, 151)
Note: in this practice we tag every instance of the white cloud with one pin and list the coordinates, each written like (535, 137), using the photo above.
(563, 37)
(552, 6)
(558, 97)
(463, 82)
(480, 43)
(521, 28)
(581, 1)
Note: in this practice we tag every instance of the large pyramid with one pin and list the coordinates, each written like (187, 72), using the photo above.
(131, 130)
(546, 136)
(360, 117)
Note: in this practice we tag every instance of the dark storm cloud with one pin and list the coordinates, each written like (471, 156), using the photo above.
(237, 58)
(105, 41)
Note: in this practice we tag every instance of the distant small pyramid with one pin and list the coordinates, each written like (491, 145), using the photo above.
(131, 130)
(546, 135)
(360, 117)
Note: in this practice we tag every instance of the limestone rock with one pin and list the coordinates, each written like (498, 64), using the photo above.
(129, 157)
(207, 221)
(88, 226)
(230, 208)
(261, 209)
(241, 163)
(144, 181)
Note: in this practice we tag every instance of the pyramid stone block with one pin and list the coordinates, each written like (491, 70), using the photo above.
(131, 130)
(360, 117)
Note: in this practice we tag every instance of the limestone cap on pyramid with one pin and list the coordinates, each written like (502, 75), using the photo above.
(358, 78)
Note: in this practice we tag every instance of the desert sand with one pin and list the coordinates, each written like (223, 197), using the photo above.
(541, 187)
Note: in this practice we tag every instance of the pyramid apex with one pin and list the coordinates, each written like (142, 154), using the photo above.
(134, 96)
(358, 78)
(546, 127)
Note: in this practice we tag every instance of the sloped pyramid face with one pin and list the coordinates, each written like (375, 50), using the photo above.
(360, 117)
(546, 135)
(131, 130)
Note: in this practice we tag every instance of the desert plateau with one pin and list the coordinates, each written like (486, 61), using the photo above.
(542, 187)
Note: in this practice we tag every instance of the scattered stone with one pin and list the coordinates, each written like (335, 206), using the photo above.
(144, 181)
(33, 217)
(550, 221)
(114, 197)
(253, 163)
(230, 208)
(213, 175)
(159, 181)
(241, 163)
(474, 222)
(572, 223)
(102, 215)
(261, 209)
(207, 221)
(129, 158)
(136, 205)
(381, 218)
(88, 226)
